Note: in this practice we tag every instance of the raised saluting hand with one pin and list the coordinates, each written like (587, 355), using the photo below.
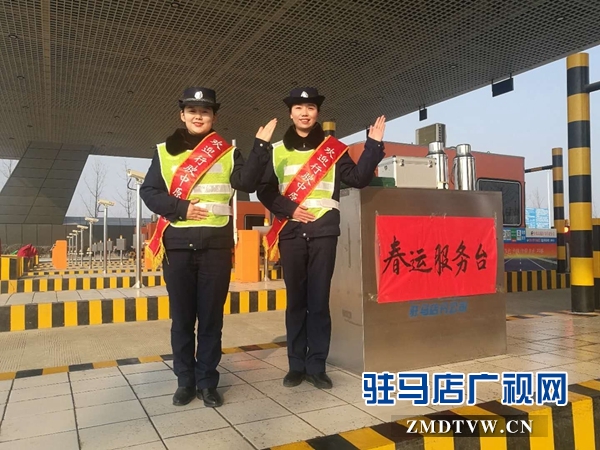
(266, 132)
(376, 131)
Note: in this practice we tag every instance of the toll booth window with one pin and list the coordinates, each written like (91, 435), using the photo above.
(511, 198)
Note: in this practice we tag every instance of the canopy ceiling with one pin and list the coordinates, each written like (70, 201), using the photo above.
(108, 73)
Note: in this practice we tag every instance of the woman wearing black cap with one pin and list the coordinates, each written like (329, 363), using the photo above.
(190, 184)
(301, 187)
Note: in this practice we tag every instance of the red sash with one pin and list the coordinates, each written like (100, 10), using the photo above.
(200, 160)
(304, 182)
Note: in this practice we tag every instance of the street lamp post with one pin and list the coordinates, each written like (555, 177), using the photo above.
(139, 179)
(70, 249)
(91, 221)
(71, 244)
(74, 258)
(73, 247)
(82, 228)
(106, 204)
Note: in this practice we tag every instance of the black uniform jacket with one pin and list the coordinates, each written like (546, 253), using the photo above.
(355, 175)
(245, 177)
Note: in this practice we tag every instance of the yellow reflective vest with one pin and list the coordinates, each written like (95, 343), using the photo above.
(213, 190)
(286, 164)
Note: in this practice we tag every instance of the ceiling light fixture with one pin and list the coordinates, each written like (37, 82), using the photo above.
(130, 92)
(13, 36)
(20, 77)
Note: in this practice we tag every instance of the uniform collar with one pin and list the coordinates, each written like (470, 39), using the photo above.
(291, 139)
(181, 140)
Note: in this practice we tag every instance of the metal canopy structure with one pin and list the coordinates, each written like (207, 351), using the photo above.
(107, 74)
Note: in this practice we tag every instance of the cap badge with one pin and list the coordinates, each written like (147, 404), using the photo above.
(304, 94)
(198, 95)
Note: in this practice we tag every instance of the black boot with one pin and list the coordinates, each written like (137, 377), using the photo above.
(183, 395)
(293, 378)
(211, 397)
(320, 380)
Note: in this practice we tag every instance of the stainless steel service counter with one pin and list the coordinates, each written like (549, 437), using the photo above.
(377, 337)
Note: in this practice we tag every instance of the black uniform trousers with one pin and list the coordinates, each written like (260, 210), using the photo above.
(197, 282)
(308, 265)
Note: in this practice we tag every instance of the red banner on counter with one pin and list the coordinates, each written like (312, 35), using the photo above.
(422, 258)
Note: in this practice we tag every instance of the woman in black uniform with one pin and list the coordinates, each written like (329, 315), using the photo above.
(190, 184)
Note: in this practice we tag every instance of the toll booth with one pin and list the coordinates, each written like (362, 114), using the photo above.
(419, 279)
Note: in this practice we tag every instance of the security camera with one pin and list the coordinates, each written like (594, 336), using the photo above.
(91, 219)
(138, 176)
(106, 203)
(82, 227)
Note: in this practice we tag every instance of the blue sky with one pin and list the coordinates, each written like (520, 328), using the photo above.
(528, 121)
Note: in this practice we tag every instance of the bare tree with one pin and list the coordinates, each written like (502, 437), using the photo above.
(95, 185)
(535, 199)
(7, 167)
(127, 196)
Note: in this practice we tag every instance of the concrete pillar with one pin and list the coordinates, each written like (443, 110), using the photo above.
(559, 207)
(596, 249)
(329, 128)
(580, 184)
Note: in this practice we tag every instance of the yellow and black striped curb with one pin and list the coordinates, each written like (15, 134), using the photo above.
(13, 267)
(49, 267)
(513, 281)
(549, 314)
(125, 362)
(575, 426)
(76, 284)
(540, 280)
(39, 273)
(35, 316)
(89, 282)
(528, 316)
(274, 274)
(96, 262)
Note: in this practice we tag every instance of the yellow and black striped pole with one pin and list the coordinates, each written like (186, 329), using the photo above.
(580, 184)
(558, 189)
(329, 128)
